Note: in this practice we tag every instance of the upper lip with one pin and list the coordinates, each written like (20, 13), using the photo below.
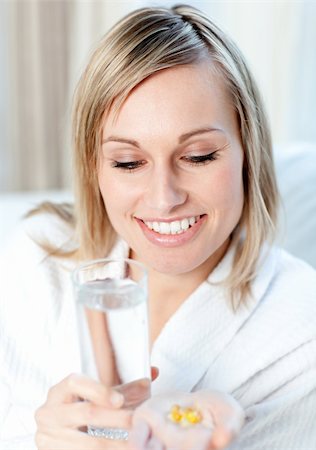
(169, 220)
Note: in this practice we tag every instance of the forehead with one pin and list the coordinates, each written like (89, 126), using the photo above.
(180, 95)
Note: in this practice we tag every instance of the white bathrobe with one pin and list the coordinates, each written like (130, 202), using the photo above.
(264, 354)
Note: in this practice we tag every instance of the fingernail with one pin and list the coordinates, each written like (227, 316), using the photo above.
(116, 399)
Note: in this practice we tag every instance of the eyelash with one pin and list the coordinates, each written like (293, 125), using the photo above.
(130, 166)
(202, 159)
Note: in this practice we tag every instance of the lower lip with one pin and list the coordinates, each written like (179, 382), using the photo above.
(171, 240)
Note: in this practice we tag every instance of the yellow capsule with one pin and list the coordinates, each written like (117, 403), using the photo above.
(192, 415)
(184, 417)
(175, 414)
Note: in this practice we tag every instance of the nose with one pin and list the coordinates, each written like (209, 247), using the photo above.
(164, 192)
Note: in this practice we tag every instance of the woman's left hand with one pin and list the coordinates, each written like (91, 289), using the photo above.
(64, 416)
(62, 420)
(219, 420)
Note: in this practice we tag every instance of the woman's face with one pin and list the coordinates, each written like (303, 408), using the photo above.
(170, 170)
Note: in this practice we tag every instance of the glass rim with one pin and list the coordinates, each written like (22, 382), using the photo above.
(92, 262)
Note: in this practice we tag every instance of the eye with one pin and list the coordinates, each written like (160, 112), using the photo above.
(200, 159)
(128, 165)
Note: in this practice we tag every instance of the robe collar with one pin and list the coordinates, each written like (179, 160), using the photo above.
(201, 328)
(191, 340)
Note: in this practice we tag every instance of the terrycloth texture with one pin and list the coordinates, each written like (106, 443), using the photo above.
(264, 355)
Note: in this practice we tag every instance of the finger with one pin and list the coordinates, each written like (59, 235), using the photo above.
(76, 440)
(154, 444)
(225, 432)
(226, 412)
(220, 439)
(100, 417)
(80, 414)
(140, 435)
(228, 420)
(140, 438)
(75, 387)
(154, 373)
(135, 392)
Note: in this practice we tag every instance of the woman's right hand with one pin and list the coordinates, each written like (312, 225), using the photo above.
(220, 420)
(72, 405)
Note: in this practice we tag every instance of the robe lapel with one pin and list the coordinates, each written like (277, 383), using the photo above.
(200, 330)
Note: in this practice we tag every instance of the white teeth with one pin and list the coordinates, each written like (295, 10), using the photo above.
(175, 227)
(164, 228)
(184, 224)
(156, 227)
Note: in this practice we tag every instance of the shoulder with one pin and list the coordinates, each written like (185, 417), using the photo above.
(283, 313)
(294, 279)
(29, 275)
(289, 263)
(33, 233)
(35, 286)
(279, 318)
(36, 293)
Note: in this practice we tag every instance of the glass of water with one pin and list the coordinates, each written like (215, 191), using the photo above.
(118, 287)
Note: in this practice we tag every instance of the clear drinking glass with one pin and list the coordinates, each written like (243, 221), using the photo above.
(109, 285)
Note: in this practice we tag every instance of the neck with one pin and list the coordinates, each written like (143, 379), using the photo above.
(184, 283)
(168, 291)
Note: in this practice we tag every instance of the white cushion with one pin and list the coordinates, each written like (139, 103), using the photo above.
(296, 173)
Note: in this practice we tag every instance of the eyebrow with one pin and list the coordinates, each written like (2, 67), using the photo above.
(184, 137)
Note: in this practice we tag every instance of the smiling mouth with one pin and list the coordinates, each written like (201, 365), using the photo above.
(175, 227)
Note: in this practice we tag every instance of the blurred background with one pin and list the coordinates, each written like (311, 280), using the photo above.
(45, 44)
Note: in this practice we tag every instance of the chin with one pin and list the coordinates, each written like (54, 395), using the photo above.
(172, 266)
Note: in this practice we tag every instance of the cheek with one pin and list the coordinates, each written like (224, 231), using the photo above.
(110, 192)
(227, 188)
(119, 195)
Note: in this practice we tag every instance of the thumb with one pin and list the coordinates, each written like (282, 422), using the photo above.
(221, 437)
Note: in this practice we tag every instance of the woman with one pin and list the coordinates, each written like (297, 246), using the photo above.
(173, 168)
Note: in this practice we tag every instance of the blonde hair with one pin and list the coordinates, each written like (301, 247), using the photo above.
(141, 44)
